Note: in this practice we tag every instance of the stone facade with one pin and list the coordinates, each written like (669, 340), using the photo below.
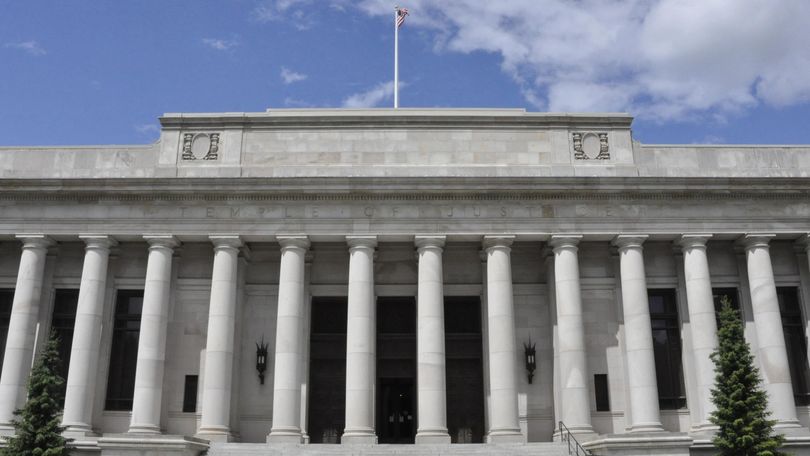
(232, 224)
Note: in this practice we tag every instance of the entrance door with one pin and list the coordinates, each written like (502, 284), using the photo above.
(396, 369)
(397, 421)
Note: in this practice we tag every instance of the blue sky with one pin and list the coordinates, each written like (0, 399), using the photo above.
(691, 71)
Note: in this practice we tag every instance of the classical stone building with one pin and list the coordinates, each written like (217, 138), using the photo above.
(388, 276)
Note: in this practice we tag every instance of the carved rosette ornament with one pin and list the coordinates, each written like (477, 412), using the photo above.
(200, 146)
(590, 146)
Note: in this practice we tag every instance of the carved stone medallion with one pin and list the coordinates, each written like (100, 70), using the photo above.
(200, 146)
(590, 146)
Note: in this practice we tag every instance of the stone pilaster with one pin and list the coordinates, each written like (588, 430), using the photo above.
(84, 351)
(289, 344)
(503, 420)
(219, 347)
(22, 327)
(770, 336)
(572, 365)
(148, 397)
(640, 358)
(361, 333)
(431, 381)
(703, 321)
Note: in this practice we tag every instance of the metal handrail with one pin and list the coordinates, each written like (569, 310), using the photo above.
(574, 447)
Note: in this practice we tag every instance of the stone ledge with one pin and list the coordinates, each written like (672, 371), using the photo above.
(148, 445)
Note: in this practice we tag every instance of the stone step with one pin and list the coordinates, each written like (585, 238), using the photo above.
(263, 449)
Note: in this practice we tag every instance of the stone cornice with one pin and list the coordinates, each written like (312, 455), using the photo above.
(374, 189)
(388, 118)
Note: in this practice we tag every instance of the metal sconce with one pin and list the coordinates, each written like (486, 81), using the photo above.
(261, 359)
(531, 362)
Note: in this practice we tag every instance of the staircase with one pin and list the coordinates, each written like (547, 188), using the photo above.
(263, 449)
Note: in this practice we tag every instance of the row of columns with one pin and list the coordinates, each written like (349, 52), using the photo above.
(644, 413)
(361, 337)
(361, 333)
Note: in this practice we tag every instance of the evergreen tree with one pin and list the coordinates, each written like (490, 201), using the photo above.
(38, 432)
(741, 403)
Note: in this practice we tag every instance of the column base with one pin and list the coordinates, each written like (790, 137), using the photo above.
(284, 436)
(656, 443)
(78, 432)
(144, 429)
(703, 431)
(506, 436)
(6, 430)
(216, 434)
(358, 438)
(646, 428)
(791, 429)
(432, 437)
(170, 445)
(581, 433)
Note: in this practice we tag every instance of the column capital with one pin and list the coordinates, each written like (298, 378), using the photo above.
(34, 241)
(693, 241)
(756, 240)
(423, 242)
(629, 241)
(357, 242)
(564, 241)
(226, 241)
(497, 241)
(293, 241)
(98, 241)
(161, 241)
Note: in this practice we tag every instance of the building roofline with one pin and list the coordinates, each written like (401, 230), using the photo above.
(397, 118)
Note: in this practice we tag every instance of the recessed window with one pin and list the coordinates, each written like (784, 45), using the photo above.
(6, 300)
(733, 296)
(600, 388)
(190, 394)
(124, 353)
(793, 327)
(62, 324)
(667, 348)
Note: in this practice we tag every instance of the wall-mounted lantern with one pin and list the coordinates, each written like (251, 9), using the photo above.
(531, 362)
(261, 359)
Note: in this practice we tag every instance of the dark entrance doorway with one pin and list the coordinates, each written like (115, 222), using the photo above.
(465, 370)
(396, 369)
(327, 370)
(397, 411)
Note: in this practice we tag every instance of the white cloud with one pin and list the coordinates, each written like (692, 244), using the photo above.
(662, 59)
(372, 97)
(149, 130)
(289, 76)
(220, 44)
(31, 47)
(289, 11)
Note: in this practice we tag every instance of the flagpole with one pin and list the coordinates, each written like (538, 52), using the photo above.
(396, 58)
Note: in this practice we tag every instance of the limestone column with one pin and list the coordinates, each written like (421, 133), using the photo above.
(700, 301)
(151, 359)
(430, 354)
(640, 358)
(770, 336)
(86, 345)
(360, 342)
(289, 343)
(504, 426)
(573, 369)
(22, 327)
(219, 347)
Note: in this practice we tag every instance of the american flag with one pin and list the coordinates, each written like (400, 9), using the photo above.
(401, 13)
